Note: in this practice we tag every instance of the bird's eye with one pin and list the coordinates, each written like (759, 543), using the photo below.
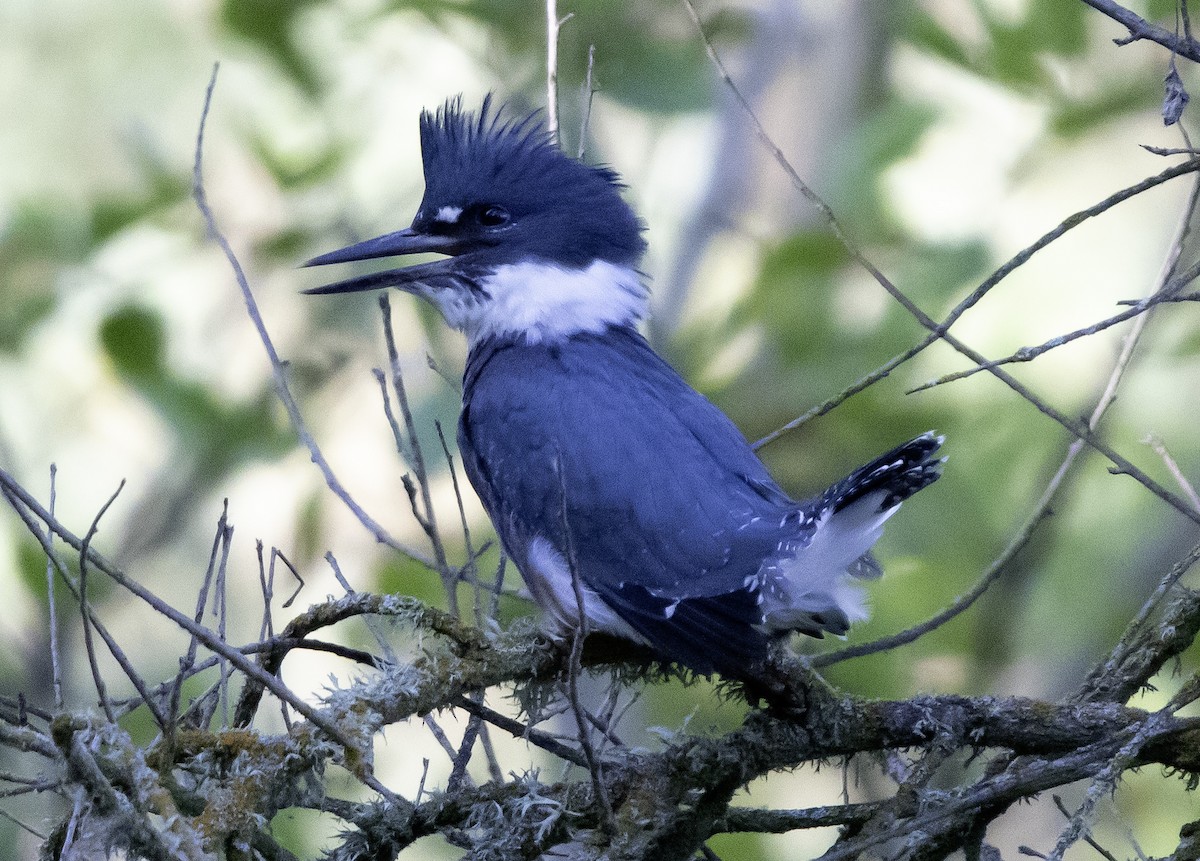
(494, 216)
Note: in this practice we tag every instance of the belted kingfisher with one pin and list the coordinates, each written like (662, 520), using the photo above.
(611, 482)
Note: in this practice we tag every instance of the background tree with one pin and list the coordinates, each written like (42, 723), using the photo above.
(945, 137)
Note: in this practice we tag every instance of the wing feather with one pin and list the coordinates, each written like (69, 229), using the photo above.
(666, 504)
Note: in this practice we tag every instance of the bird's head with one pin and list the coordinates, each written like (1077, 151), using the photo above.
(540, 245)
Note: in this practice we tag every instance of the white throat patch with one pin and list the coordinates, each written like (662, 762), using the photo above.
(547, 303)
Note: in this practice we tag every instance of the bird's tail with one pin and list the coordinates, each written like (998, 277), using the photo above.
(814, 590)
(899, 474)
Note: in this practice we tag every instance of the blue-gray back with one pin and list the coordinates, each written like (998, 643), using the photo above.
(661, 489)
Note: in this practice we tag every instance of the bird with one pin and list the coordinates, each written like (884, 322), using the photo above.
(629, 502)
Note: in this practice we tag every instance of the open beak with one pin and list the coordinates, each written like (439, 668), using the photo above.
(407, 241)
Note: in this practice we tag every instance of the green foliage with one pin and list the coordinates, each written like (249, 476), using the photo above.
(1010, 52)
(18, 318)
(215, 436)
(163, 188)
(811, 314)
(269, 25)
(636, 43)
(134, 339)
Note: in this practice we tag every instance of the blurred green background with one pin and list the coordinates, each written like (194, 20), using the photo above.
(946, 134)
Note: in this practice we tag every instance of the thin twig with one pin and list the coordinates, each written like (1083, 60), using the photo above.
(1108, 856)
(385, 647)
(574, 668)
(589, 90)
(439, 735)
(276, 553)
(603, 721)
(1180, 298)
(1140, 28)
(553, 25)
(495, 772)
(220, 607)
(470, 570)
(1172, 466)
(854, 388)
(1015, 262)
(266, 585)
(89, 645)
(390, 416)
(1043, 507)
(17, 822)
(1028, 354)
(1170, 150)
(421, 785)
(337, 573)
(278, 367)
(520, 731)
(466, 748)
(187, 663)
(306, 643)
(17, 711)
(52, 608)
(940, 330)
(427, 518)
(28, 508)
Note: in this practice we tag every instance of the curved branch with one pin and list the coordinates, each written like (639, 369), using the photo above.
(1140, 28)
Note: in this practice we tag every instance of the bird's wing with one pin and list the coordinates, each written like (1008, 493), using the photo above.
(598, 447)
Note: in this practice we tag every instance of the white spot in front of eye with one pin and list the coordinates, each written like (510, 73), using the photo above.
(448, 214)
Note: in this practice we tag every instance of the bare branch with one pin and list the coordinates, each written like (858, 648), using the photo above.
(935, 329)
(278, 367)
(1014, 263)
(1169, 462)
(85, 610)
(427, 517)
(1144, 647)
(763, 821)
(276, 553)
(1140, 28)
(1168, 290)
(25, 504)
(589, 90)
(1108, 856)
(52, 609)
(470, 570)
(965, 601)
(1104, 783)
(574, 667)
(553, 25)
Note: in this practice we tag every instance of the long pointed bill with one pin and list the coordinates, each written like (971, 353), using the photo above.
(402, 279)
(407, 241)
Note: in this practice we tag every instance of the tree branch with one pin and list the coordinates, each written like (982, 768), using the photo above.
(1140, 28)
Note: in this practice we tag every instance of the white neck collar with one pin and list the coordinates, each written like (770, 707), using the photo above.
(545, 303)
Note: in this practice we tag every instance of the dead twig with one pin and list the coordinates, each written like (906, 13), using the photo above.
(278, 366)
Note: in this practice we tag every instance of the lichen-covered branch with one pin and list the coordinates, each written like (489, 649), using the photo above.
(215, 790)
